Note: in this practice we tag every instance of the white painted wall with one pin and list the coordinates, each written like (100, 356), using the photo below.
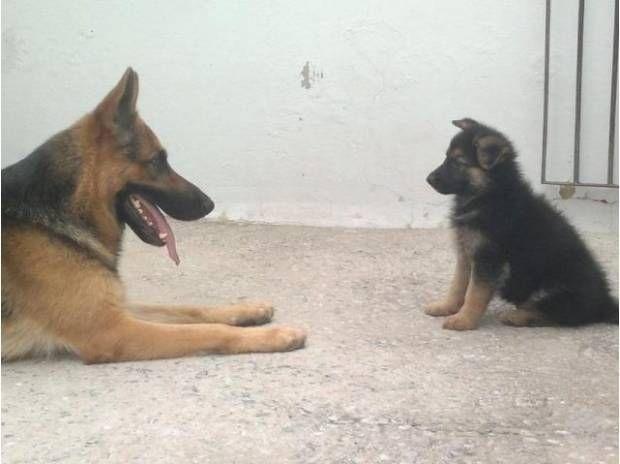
(222, 85)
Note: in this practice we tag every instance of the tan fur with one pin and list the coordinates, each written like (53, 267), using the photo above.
(477, 298)
(467, 298)
(58, 297)
(477, 177)
(87, 313)
(105, 171)
(22, 337)
(456, 294)
(468, 240)
(483, 144)
(242, 314)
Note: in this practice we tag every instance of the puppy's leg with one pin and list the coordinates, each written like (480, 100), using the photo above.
(485, 271)
(456, 295)
(570, 308)
(524, 316)
(242, 314)
(125, 338)
(479, 294)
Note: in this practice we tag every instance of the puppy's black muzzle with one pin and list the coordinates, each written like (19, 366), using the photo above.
(432, 179)
(435, 179)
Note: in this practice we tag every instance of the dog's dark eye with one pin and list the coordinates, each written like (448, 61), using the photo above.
(159, 161)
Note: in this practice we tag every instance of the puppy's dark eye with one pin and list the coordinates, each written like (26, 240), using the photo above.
(458, 161)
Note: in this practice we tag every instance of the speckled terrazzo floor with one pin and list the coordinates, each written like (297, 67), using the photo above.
(378, 381)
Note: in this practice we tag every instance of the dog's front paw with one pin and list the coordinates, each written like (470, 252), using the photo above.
(252, 313)
(287, 338)
(441, 308)
(460, 322)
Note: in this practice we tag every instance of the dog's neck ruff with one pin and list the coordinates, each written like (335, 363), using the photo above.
(78, 235)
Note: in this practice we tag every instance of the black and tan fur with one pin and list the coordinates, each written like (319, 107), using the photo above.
(512, 242)
(64, 208)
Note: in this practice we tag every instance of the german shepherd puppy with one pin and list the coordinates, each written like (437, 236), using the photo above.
(64, 208)
(512, 241)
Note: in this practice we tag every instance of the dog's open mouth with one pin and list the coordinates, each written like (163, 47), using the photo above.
(148, 223)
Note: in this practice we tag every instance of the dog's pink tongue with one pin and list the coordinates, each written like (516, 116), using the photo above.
(163, 228)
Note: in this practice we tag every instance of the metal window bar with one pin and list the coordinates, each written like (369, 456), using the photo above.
(612, 108)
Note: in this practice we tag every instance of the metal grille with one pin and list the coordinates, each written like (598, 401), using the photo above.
(578, 94)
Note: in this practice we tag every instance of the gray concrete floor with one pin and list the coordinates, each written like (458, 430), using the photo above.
(378, 381)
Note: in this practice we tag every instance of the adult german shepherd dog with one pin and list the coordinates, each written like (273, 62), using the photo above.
(64, 208)
(512, 241)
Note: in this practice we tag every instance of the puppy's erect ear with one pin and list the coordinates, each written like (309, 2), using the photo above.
(492, 150)
(465, 123)
(118, 108)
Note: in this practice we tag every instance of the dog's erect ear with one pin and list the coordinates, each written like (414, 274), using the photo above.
(465, 123)
(118, 108)
(492, 150)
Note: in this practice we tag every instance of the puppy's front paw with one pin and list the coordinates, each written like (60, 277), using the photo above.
(441, 308)
(460, 322)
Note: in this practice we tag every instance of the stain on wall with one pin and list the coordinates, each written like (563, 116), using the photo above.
(566, 191)
(305, 74)
(309, 74)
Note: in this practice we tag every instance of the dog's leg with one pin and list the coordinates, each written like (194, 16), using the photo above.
(524, 316)
(479, 294)
(125, 338)
(241, 314)
(87, 314)
(23, 338)
(456, 295)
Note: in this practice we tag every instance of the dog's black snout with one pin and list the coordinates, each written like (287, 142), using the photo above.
(207, 204)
